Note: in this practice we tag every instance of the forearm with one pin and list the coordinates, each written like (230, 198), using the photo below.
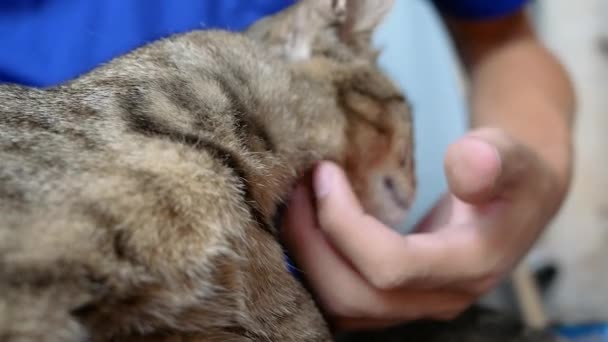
(522, 90)
(517, 85)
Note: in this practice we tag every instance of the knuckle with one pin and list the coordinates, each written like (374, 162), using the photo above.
(327, 219)
(384, 277)
(340, 306)
(487, 268)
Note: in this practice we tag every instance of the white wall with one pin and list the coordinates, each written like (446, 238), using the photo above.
(578, 239)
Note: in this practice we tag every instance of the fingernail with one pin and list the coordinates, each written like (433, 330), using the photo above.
(323, 180)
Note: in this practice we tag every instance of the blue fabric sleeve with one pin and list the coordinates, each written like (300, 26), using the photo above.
(45, 42)
(479, 9)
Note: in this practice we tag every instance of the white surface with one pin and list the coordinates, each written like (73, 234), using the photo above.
(578, 239)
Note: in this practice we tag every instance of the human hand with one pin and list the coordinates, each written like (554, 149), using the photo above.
(366, 275)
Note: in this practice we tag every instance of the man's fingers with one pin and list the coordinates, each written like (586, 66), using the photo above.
(344, 291)
(387, 259)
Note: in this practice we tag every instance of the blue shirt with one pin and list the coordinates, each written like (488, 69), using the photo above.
(478, 9)
(45, 42)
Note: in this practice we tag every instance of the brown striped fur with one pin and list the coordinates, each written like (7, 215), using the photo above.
(137, 201)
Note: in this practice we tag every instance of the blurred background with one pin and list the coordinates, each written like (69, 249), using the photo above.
(573, 253)
(577, 241)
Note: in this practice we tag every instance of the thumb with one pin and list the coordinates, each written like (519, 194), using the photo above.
(334, 195)
(486, 164)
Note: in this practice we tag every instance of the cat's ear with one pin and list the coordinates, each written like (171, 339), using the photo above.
(306, 20)
(355, 20)
(362, 18)
(292, 33)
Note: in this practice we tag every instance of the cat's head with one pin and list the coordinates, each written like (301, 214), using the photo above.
(330, 42)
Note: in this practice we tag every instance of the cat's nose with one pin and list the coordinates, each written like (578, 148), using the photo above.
(398, 196)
